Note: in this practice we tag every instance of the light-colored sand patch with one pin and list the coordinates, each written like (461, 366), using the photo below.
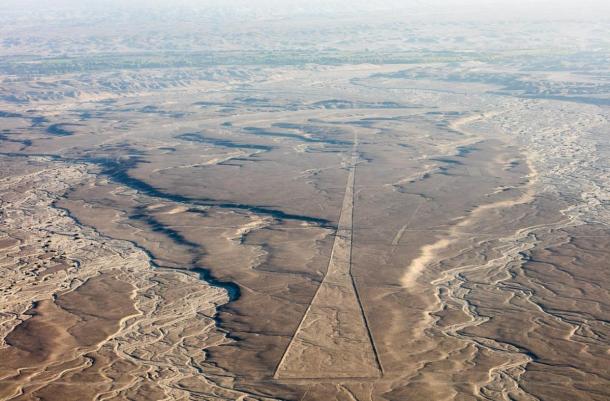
(431, 252)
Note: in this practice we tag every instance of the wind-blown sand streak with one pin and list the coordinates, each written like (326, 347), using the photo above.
(430, 252)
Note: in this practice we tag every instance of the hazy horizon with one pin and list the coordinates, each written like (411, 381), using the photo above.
(496, 9)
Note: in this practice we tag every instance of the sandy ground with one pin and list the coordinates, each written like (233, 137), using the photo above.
(389, 226)
(85, 316)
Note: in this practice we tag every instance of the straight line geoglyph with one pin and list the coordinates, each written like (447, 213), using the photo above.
(333, 340)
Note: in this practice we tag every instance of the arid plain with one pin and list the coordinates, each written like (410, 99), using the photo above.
(287, 209)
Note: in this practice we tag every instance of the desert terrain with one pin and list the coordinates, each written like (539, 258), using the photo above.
(230, 204)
